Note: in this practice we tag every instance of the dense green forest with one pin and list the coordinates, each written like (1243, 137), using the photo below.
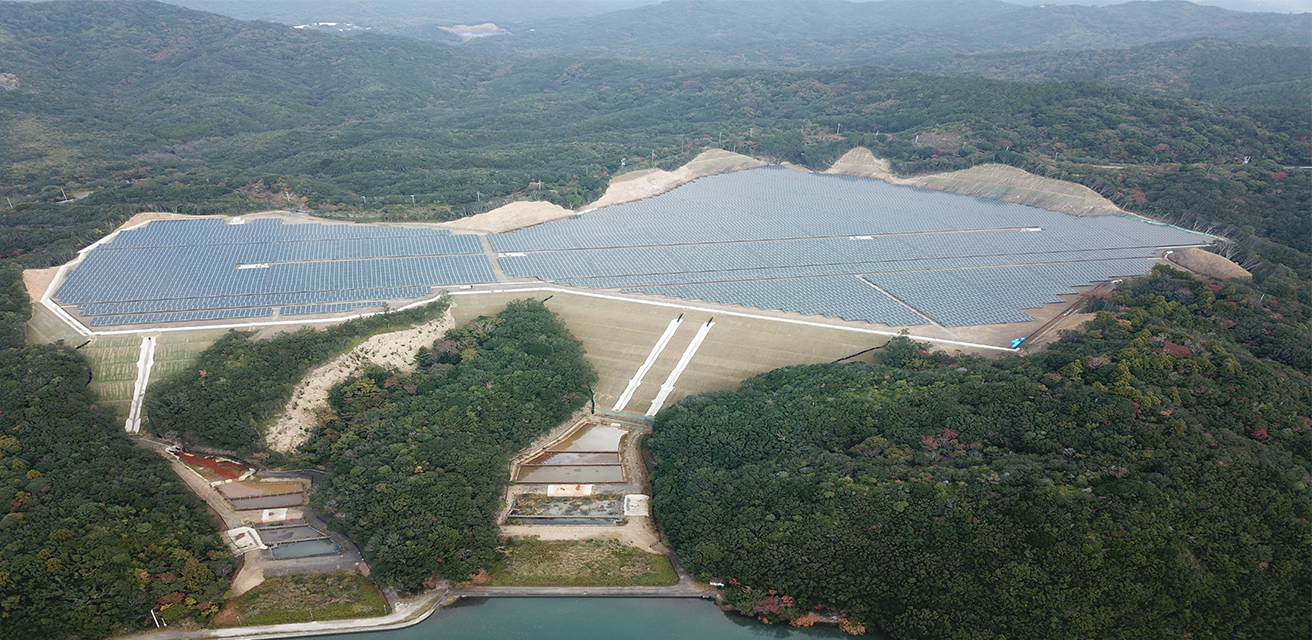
(1208, 69)
(418, 464)
(97, 531)
(828, 33)
(1146, 476)
(238, 384)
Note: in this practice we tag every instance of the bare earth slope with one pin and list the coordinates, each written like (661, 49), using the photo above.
(651, 182)
(395, 350)
(515, 215)
(1209, 264)
(994, 181)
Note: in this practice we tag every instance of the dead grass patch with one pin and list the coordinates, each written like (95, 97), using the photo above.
(530, 562)
(305, 598)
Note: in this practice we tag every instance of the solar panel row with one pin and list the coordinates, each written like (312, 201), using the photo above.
(773, 202)
(325, 308)
(153, 318)
(827, 255)
(233, 302)
(846, 268)
(845, 297)
(994, 295)
(107, 281)
(202, 231)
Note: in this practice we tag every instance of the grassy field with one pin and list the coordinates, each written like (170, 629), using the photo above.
(305, 598)
(618, 335)
(113, 361)
(581, 563)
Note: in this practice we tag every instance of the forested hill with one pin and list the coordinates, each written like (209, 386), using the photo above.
(795, 33)
(158, 70)
(1146, 477)
(1203, 69)
(96, 531)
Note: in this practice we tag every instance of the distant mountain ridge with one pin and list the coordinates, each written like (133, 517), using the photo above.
(804, 33)
(1209, 69)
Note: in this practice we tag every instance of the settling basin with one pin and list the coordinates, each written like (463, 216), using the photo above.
(307, 548)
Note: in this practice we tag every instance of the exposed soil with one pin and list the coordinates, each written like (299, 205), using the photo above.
(515, 215)
(637, 533)
(1003, 182)
(1198, 261)
(994, 181)
(395, 350)
(37, 281)
(652, 182)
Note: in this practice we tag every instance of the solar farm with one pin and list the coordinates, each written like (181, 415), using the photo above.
(839, 246)
(773, 239)
(209, 269)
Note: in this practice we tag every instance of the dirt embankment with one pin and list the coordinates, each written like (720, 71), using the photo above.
(1209, 264)
(994, 181)
(37, 281)
(395, 350)
(515, 215)
(652, 182)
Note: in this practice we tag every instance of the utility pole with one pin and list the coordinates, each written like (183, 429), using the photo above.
(11, 203)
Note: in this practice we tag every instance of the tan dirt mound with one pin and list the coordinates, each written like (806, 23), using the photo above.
(862, 163)
(515, 215)
(37, 281)
(1002, 182)
(637, 185)
(1209, 264)
(395, 350)
(994, 181)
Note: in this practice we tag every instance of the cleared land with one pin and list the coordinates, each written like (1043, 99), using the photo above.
(304, 598)
(515, 215)
(1209, 264)
(646, 183)
(586, 563)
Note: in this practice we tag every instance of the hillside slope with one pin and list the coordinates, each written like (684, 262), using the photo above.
(1204, 69)
(834, 32)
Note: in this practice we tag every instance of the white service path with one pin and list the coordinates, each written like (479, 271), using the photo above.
(646, 365)
(678, 369)
(144, 365)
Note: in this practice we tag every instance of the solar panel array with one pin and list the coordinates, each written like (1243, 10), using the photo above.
(778, 239)
(183, 270)
(845, 297)
(325, 308)
(185, 316)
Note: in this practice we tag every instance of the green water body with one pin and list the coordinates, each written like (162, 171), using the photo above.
(589, 619)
